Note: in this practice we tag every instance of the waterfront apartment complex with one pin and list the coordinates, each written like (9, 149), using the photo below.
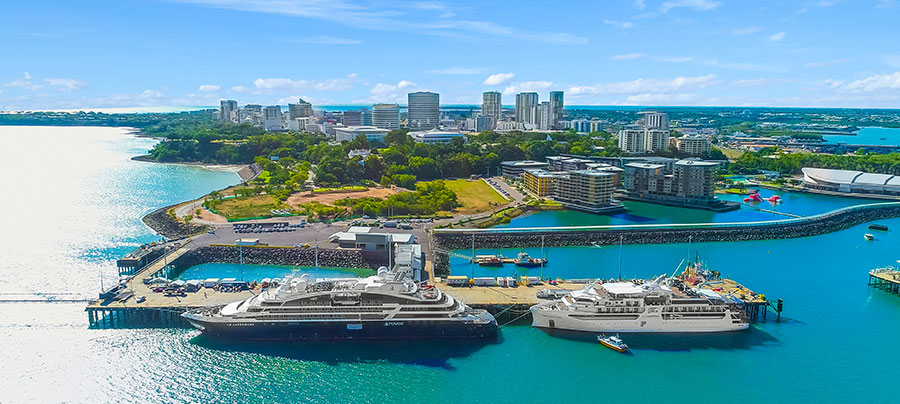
(691, 184)
(587, 190)
(424, 110)
(386, 116)
(228, 110)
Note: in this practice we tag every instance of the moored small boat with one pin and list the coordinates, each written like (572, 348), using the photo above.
(489, 260)
(877, 226)
(612, 342)
(525, 260)
(869, 236)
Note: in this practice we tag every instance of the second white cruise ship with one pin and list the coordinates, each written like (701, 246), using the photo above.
(628, 307)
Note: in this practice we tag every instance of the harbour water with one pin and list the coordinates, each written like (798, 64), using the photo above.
(870, 135)
(834, 344)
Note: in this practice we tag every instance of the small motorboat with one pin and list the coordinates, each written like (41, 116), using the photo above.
(612, 342)
(489, 260)
(525, 260)
(870, 237)
(878, 227)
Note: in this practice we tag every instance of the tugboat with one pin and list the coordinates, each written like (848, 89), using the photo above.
(612, 342)
(525, 260)
(869, 236)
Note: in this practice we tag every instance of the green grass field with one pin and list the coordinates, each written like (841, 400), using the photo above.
(254, 206)
(474, 196)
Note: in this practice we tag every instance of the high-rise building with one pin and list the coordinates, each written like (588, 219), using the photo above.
(272, 118)
(544, 121)
(693, 145)
(251, 113)
(556, 109)
(633, 139)
(581, 125)
(301, 109)
(352, 118)
(587, 190)
(654, 120)
(491, 105)
(386, 116)
(527, 107)
(228, 110)
(424, 110)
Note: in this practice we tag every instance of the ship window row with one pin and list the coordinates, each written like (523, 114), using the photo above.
(326, 309)
(619, 310)
(694, 309)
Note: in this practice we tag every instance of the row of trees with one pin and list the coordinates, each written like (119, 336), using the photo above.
(790, 163)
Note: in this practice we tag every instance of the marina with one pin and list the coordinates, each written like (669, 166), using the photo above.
(887, 279)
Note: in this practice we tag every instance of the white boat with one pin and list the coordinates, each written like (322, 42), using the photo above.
(870, 236)
(655, 306)
(612, 342)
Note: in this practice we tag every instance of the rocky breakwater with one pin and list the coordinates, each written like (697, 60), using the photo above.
(163, 223)
(584, 236)
(282, 256)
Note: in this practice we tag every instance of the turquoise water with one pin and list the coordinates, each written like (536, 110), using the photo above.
(795, 203)
(259, 272)
(835, 344)
(869, 136)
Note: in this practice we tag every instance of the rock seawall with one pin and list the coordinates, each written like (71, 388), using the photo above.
(160, 221)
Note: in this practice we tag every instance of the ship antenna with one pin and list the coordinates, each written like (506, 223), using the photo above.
(620, 257)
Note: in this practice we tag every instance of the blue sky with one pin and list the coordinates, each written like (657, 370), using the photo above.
(93, 54)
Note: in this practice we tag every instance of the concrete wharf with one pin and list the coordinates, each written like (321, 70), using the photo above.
(886, 279)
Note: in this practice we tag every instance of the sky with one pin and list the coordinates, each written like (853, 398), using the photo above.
(147, 53)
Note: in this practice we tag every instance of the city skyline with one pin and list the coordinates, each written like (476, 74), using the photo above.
(641, 53)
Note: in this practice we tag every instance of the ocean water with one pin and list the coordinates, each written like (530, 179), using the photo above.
(795, 203)
(871, 135)
(835, 342)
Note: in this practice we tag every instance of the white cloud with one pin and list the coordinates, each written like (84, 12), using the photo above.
(283, 84)
(755, 83)
(826, 63)
(527, 86)
(697, 5)
(389, 16)
(209, 88)
(497, 79)
(746, 31)
(744, 66)
(23, 83)
(330, 40)
(397, 93)
(65, 84)
(885, 4)
(834, 83)
(646, 86)
(876, 83)
(459, 70)
(640, 4)
(27, 76)
(826, 3)
(627, 56)
(620, 24)
(676, 59)
(777, 37)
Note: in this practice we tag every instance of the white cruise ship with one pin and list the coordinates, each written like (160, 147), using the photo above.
(628, 307)
(387, 305)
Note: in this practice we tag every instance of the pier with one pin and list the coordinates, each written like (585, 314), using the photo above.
(887, 279)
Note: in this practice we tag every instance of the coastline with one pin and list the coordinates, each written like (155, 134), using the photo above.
(218, 167)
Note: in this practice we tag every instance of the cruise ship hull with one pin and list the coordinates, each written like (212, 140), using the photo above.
(337, 329)
(636, 323)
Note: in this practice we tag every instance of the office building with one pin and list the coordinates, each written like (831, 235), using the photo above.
(372, 134)
(273, 118)
(690, 184)
(555, 114)
(567, 163)
(360, 117)
(491, 105)
(386, 116)
(693, 145)
(228, 111)
(436, 136)
(302, 109)
(527, 108)
(424, 110)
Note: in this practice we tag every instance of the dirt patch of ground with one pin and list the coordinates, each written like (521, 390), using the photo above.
(211, 217)
(328, 198)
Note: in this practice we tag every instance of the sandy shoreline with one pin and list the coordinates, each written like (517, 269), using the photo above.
(218, 167)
